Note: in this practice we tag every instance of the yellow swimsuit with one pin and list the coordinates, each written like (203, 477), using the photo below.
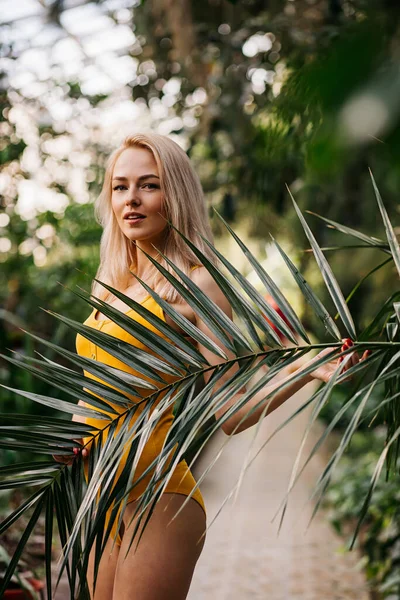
(181, 481)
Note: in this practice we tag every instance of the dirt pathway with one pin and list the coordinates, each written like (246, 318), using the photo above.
(243, 557)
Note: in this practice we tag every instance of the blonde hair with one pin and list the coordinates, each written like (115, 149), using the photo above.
(184, 207)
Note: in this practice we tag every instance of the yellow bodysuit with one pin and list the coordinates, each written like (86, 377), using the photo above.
(181, 481)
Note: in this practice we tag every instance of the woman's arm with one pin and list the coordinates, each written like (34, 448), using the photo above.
(204, 280)
(272, 402)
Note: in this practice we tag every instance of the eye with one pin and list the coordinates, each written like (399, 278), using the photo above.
(118, 186)
(151, 185)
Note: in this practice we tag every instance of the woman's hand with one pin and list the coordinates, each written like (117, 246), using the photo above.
(68, 460)
(325, 372)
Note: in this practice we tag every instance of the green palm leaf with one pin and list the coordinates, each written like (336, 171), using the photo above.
(369, 240)
(240, 305)
(272, 289)
(62, 405)
(190, 329)
(80, 508)
(70, 382)
(259, 301)
(393, 243)
(48, 541)
(329, 278)
(136, 358)
(143, 334)
(181, 346)
(310, 296)
(374, 481)
(211, 314)
(323, 399)
(21, 545)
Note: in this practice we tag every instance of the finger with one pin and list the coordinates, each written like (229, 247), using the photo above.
(355, 359)
(81, 450)
(62, 459)
(366, 354)
(347, 344)
(347, 363)
(350, 361)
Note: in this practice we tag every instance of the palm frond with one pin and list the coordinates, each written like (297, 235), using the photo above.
(313, 300)
(364, 278)
(165, 375)
(190, 329)
(188, 352)
(210, 313)
(374, 480)
(48, 540)
(137, 359)
(393, 243)
(322, 400)
(370, 241)
(21, 545)
(71, 382)
(272, 289)
(68, 407)
(329, 278)
(240, 305)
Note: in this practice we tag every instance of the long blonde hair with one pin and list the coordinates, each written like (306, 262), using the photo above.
(184, 206)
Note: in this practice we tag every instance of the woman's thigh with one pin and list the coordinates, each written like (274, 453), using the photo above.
(161, 566)
(106, 572)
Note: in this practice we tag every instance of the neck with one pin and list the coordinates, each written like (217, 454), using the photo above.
(143, 264)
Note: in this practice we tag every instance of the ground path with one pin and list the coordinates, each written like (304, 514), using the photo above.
(243, 558)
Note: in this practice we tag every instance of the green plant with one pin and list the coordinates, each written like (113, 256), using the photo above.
(22, 578)
(61, 490)
(379, 537)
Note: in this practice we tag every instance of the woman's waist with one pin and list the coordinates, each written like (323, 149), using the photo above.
(153, 431)
(157, 417)
(139, 396)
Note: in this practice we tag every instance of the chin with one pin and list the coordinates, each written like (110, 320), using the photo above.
(136, 238)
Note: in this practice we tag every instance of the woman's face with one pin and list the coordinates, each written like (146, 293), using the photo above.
(136, 189)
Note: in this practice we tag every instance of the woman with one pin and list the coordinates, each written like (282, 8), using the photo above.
(149, 181)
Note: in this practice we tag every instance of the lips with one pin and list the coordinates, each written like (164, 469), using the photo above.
(134, 216)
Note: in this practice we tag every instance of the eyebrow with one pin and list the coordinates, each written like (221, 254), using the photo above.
(139, 178)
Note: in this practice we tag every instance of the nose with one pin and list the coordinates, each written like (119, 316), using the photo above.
(133, 197)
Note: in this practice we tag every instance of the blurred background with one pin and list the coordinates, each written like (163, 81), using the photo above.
(260, 94)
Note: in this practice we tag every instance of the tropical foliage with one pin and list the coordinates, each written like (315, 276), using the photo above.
(79, 509)
(378, 538)
(260, 93)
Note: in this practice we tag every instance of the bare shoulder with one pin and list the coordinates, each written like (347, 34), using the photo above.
(210, 288)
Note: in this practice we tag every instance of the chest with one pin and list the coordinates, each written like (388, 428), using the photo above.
(182, 307)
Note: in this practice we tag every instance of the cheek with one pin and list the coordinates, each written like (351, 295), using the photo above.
(157, 206)
(116, 206)
(161, 206)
